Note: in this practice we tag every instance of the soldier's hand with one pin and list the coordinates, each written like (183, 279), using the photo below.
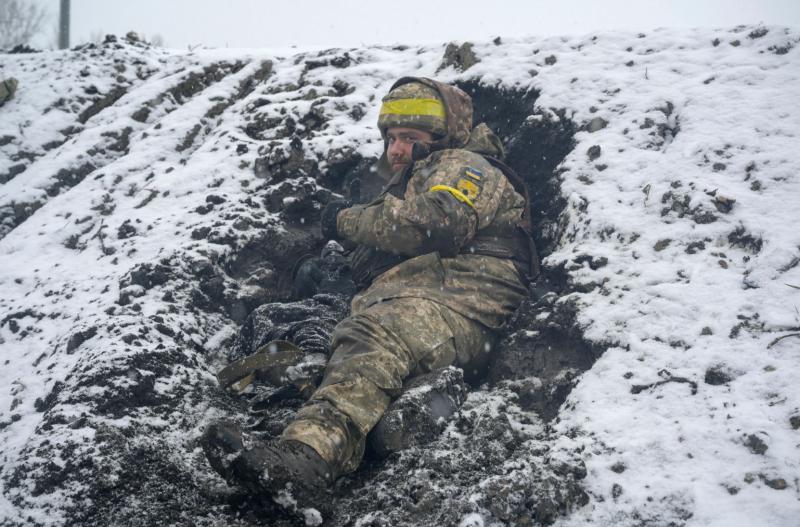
(328, 219)
(307, 277)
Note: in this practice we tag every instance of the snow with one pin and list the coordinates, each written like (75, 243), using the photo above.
(677, 296)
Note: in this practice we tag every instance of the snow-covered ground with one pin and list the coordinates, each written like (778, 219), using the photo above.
(680, 240)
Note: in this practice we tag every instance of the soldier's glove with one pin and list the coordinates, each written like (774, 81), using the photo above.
(354, 190)
(328, 219)
(307, 276)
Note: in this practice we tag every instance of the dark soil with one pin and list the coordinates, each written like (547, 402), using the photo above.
(491, 454)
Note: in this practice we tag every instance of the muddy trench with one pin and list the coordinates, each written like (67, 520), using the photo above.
(493, 456)
(536, 364)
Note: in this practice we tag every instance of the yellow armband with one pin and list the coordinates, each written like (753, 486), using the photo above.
(459, 195)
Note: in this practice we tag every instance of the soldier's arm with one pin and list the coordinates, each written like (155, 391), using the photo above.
(454, 199)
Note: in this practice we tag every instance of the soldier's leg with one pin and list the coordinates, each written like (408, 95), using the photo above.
(473, 341)
(374, 351)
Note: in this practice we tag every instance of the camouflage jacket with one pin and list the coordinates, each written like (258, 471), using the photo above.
(451, 201)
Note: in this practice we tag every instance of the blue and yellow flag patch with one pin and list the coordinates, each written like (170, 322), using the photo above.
(473, 173)
(470, 183)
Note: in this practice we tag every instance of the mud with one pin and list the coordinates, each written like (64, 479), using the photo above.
(490, 449)
(441, 470)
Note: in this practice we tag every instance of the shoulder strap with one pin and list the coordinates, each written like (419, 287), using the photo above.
(525, 223)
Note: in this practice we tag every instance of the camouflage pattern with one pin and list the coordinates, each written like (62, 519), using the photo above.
(483, 141)
(434, 124)
(458, 107)
(7, 89)
(374, 351)
(432, 228)
(439, 304)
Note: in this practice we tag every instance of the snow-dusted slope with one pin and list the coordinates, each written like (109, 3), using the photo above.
(151, 199)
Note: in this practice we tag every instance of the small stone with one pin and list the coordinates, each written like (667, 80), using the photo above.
(794, 421)
(79, 338)
(777, 483)
(755, 444)
(704, 217)
(593, 152)
(598, 123)
(126, 230)
(695, 247)
(662, 244)
(165, 330)
(461, 57)
(716, 376)
(357, 112)
(618, 467)
(706, 331)
(550, 60)
(724, 204)
(616, 490)
(201, 233)
(342, 61)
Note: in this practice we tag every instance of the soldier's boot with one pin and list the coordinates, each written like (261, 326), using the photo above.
(291, 472)
(222, 442)
(421, 412)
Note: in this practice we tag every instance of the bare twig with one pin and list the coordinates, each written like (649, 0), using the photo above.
(781, 338)
(19, 22)
(100, 235)
(639, 388)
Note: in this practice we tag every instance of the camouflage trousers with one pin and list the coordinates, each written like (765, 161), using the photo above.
(373, 352)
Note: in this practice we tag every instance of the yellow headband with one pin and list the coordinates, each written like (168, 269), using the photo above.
(432, 107)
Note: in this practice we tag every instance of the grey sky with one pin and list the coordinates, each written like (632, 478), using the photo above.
(272, 23)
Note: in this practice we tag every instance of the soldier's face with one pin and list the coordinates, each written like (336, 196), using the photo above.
(401, 141)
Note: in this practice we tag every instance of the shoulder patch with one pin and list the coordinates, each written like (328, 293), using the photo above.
(470, 182)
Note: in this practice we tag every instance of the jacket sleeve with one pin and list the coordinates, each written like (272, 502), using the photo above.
(445, 203)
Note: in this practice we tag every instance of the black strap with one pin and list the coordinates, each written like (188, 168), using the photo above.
(525, 223)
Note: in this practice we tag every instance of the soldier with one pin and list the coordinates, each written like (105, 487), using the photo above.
(7, 89)
(444, 258)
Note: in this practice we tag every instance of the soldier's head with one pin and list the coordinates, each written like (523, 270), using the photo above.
(411, 113)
